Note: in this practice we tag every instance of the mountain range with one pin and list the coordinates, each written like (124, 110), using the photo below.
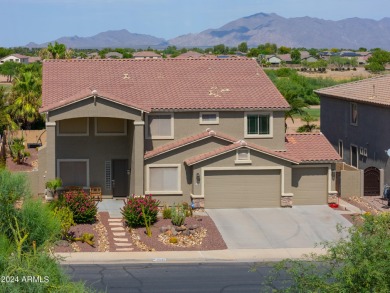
(256, 29)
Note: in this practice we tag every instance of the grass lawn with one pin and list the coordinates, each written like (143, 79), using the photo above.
(314, 112)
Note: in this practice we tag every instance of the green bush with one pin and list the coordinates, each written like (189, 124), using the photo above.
(132, 210)
(65, 215)
(37, 219)
(178, 215)
(49, 277)
(13, 187)
(166, 212)
(82, 205)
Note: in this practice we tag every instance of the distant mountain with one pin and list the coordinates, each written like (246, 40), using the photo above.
(305, 32)
(113, 39)
(256, 29)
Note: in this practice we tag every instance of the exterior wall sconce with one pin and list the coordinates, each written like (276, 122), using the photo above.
(128, 171)
(197, 178)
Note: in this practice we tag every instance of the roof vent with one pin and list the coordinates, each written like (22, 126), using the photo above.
(126, 76)
(374, 93)
(94, 92)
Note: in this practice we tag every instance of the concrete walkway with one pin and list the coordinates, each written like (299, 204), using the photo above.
(112, 206)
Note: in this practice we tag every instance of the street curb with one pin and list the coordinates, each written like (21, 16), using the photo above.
(214, 256)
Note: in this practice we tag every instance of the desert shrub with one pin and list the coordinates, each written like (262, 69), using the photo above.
(65, 215)
(13, 187)
(82, 205)
(166, 212)
(49, 275)
(132, 210)
(187, 208)
(178, 215)
(37, 219)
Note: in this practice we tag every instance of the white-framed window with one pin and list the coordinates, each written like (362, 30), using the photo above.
(208, 118)
(341, 148)
(258, 124)
(243, 156)
(163, 179)
(159, 126)
(73, 172)
(354, 156)
(105, 126)
(73, 127)
(354, 114)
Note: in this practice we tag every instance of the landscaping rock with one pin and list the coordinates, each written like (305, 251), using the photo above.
(181, 228)
(193, 227)
(62, 243)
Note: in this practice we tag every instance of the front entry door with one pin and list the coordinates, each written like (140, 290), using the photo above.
(120, 178)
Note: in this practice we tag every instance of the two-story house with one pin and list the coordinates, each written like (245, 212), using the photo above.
(206, 130)
(355, 119)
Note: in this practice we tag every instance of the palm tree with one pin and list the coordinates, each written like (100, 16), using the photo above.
(5, 119)
(25, 98)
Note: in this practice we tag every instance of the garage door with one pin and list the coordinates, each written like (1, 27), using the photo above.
(242, 188)
(310, 186)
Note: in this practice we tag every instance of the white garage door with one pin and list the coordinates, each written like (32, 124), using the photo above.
(310, 186)
(242, 188)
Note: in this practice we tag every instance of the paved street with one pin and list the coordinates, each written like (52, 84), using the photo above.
(265, 228)
(169, 278)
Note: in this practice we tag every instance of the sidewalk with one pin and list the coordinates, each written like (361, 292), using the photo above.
(228, 255)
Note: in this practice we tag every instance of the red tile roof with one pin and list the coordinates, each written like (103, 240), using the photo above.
(300, 148)
(146, 54)
(372, 90)
(187, 140)
(162, 84)
(311, 147)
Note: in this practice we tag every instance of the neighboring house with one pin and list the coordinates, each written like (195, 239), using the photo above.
(146, 55)
(15, 58)
(114, 55)
(34, 59)
(355, 119)
(190, 55)
(210, 131)
(273, 59)
(309, 59)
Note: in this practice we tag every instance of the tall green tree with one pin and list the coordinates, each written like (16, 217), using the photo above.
(378, 60)
(25, 99)
(5, 119)
(9, 69)
(243, 47)
(295, 56)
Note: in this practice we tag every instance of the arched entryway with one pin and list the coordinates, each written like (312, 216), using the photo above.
(371, 181)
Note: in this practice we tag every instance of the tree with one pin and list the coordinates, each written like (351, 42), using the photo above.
(220, 49)
(4, 52)
(253, 52)
(243, 47)
(338, 61)
(9, 69)
(5, 118)
(378, 60)
(284, 50)
(25, 98)
(308, 127)
(268, 48)
(358, 262)
(295, 56)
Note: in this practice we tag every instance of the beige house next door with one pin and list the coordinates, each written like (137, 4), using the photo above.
(226, 189)
(310, 186)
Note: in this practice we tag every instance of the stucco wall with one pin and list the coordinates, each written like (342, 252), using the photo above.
(231, 123)
(97, 149)
(351, 183)
(370, 133)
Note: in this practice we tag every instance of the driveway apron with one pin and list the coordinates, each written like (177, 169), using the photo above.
(297, 227)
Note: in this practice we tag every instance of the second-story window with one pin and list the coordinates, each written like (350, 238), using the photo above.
(354, 114)
(160, 126)
(258, 125)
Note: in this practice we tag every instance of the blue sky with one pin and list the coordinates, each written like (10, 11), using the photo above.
(22, 21)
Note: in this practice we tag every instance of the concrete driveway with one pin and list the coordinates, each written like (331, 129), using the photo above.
(297, 227)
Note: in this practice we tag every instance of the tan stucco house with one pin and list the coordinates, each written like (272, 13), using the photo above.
(201, 130)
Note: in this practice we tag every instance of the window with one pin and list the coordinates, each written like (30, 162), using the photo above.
(208, 118)
(163, 179)
(341, 148)
(110, 127)
(243, 156)
(73, 172)
(258, 125)
(160, 126)
(354, 156)
(354, 114)
(73, 127)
